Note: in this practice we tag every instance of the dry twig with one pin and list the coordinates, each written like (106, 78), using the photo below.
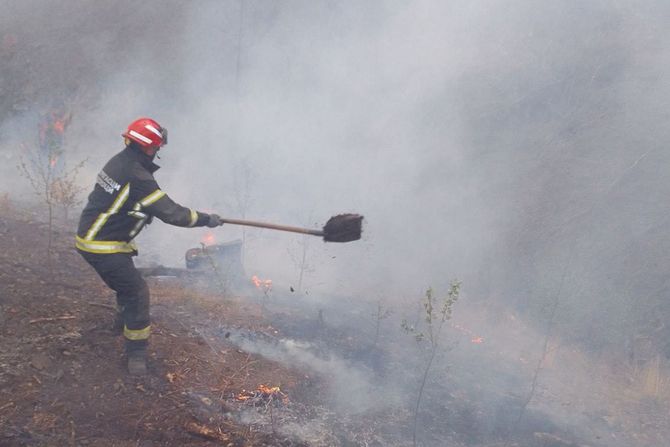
(106, 306)
(47, 319)
(206, 432)
(247, 363)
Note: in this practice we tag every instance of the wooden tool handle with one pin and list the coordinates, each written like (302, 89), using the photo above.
(250, 223)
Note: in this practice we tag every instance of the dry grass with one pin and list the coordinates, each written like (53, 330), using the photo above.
(5, 203)
(653, 379)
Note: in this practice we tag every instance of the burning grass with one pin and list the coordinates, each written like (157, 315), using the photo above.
(264, 285)
(263, 395)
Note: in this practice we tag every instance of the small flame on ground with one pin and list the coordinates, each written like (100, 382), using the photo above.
(474, 338)
(208, 239)
(268, 390)
(262, 284)
(262, 392)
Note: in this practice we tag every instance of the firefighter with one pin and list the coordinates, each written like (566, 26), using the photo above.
(124, 199)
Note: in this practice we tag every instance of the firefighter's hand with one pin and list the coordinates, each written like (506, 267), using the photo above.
(214, 221)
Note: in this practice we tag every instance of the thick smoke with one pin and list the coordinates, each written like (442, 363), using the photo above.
(517, 146)
(361, 396)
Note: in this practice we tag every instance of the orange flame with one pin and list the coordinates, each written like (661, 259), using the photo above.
(474, 338)
(268, 390)
(262, 284)
(263, 392)
(208, 239)
(60, 121)
(59, 125)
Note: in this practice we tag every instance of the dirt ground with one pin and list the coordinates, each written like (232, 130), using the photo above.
(62, 378)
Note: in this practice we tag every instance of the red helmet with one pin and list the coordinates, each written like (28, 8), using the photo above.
(147, 133)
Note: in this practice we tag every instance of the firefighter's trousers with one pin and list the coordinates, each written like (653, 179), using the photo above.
(118, 271)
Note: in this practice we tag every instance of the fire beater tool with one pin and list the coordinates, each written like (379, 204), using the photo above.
(340, 228)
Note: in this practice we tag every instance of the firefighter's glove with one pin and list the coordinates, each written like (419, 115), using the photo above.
(214, 221)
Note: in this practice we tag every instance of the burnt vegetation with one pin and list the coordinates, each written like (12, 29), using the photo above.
(554, 215)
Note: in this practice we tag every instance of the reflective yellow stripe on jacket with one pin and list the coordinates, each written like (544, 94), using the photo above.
(151, 198)
(102, 218)
(102, 247)
(194, 218)
(138, 214)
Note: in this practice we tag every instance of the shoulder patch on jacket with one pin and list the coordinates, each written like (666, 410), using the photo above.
(107, 183)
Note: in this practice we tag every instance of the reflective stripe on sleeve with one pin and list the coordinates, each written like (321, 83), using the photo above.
(151, 198)
(136, 334)
(102, 218)
(138, 214)
(138, 226)
(194, 218)
(103, 247)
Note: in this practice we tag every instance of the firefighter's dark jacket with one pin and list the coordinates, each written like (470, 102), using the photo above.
(124, 199)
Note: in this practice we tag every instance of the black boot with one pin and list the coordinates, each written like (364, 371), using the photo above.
(137, 363)
(137, 357)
